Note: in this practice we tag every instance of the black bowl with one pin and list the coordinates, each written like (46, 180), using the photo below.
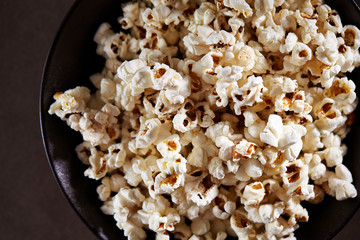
(72, 59)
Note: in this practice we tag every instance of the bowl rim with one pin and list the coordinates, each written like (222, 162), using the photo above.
(61, 27)
(42, 113)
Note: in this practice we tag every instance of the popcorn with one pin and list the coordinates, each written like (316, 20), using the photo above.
(116, 155)
(351, 35)
(216, 168)
(339, 188)
(202, 191)
(205, 14)
(253, 194)
(148, 133)
(132, 178)
(241, 225)
(71, 101)
(217, 118)
(253, 168)
(265, 213)
(270, 37)
(249, 94)
(278, 135)
(290, 42)
(172, 163)
(158, 214)
(104, 189)
(167, 183)
(200, 227)
(240, 6)
(223, 207)
(97, 166)
(169, 146)
(301, 53)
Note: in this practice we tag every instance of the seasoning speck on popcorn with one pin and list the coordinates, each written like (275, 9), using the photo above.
(217, 118)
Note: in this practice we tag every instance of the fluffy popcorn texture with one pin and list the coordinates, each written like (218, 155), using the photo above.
(217, 118)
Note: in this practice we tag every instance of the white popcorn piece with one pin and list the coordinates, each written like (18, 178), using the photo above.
(241, 225)
(116, 155)
(223, 207)
(295, 177)
(172, 163)
(290, 42)
(167, 183)
(205, 14)
(169, 145)
(278, 135)
(131, 231)
(142, 167)
(254, 126)
(158, 214)
(202, 191)
(271, 37)
(253, 193)
(117, 182)
(343, 172)
(104, 190)
(248, 94)
(292, 152)
(186, 119)
(311, 140)
(240, 6)
(148, 133)
(162, 236)
(216, 168)
(253, 168)
(301, 53)
(317, 169)
(265, 213)
(243, 149)
(98, 167)
(84, 151)
(343, 93)
(308, 28)
(204, 114)
(100, 127)
(71, 101)
(329, 117)
(339, 188)
(351, 35)
(333, 156)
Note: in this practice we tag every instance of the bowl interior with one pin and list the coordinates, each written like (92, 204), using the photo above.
(73, 59)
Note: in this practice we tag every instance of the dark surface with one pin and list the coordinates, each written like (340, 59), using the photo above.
(32, 205)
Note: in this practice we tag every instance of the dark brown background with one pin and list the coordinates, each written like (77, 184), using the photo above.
(31, 204)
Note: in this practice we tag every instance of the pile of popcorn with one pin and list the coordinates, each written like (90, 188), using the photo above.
(215, 119)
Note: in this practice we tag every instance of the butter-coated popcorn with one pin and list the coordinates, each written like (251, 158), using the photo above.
(217, 118)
